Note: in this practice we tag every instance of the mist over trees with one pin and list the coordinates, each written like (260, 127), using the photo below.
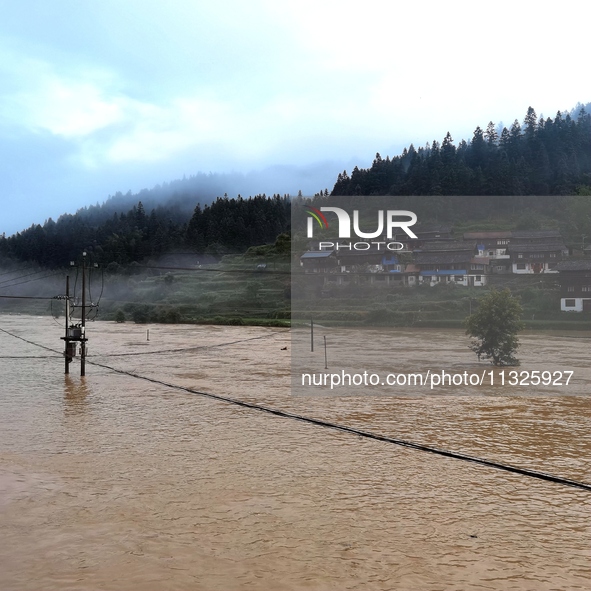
(181, 196)
(539, 166)
(226, 225)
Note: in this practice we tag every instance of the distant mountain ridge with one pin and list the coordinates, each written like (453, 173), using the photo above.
(181, 196)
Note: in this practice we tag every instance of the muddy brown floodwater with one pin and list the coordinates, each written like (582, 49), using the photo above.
(113, 482)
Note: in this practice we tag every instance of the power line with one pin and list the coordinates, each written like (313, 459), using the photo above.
(204, 270)
(9, 272)
(163, 351)
(29, 280)
(22, 276)
(30, 357)
(7, 297)
(186, 349)
(30, 342)
(366, 434)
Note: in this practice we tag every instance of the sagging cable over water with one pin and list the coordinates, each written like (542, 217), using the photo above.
(366, 434)
(337, 427)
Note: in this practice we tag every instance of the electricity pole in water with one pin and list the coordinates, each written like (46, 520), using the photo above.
(76, 333)
(83, 340)
(66, 343)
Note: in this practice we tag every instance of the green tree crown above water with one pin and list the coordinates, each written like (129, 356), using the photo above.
(494, 328)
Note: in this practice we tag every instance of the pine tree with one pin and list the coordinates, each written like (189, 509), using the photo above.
(491, 134)
(530, 122)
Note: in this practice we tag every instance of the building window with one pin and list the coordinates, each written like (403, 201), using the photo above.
(502, 242)
(552, 255)
(520, 256)
(478, 278)
(521, 266)
(500, 268)
(459, 278)
(570, 303)
(571, 288)
(586, 288)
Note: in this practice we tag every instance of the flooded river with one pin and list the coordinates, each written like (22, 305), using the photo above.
(115, 482)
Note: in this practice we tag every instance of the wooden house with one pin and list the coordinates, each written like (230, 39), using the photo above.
(575, 285)
(319, 261)
(451, 262)
(494, 246)
(528, 258)
(423, 235)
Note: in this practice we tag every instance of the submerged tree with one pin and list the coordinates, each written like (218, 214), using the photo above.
(495, 326)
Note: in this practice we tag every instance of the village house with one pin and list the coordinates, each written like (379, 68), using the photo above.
(536, 251)
(424, 234)
(318, 261)
(373, 265)
(575, 285)
(535, 236)
(448, 262)
(437, 258)
(493, 245)
(376, 264)
(373, 259)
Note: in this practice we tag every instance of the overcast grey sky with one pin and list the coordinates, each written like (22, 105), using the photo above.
(99, 97)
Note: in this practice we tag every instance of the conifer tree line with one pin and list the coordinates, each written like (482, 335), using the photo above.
(546, 158)
(539, 157)
(226, 225)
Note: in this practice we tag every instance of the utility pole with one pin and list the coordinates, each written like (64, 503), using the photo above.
(66, 342)
(76, 333)
(83, 343)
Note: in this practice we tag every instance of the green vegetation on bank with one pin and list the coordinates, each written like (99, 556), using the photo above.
(441, 306)
(252, 288)
(255, 288)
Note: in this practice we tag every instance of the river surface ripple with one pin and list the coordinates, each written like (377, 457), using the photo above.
(112, 482)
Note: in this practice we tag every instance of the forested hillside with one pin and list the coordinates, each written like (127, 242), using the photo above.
(534, 174)
(227, 225)
(538, 157)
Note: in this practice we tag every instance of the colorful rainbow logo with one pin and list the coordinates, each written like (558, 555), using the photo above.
(317, 215)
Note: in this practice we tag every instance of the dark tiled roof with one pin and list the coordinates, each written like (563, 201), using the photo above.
(529, 234)
(448, 246)
(442, 258)
(444, 232)
(486, 235)
(374, 249)
(551, 247)
(317, 254)
(580, 265)
(428, 229)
